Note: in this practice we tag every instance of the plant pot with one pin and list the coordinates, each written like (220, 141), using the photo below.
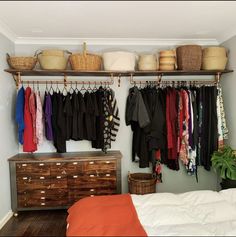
(228, 183)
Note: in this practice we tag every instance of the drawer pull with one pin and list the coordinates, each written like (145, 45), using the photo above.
(42, 198)
(58, 163)
(91, 175)
(75, 163)
(91, 162)
(41, 164)
(92, 190)
(92, 195)
(24, 164)
(58, 177)
(42, 177)
(42, 204)
(42, 191)
(108, 162)
(24, 178)
(108, 175)
(75, 176)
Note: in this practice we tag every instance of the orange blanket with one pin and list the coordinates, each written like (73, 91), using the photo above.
(104, 216)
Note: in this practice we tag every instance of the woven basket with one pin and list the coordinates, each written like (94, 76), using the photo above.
(21, 63)
(85, 61)
(189, 57)
(214, 63)
(214, 52)
(141, 183)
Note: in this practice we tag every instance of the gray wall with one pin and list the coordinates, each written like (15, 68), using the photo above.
(173, 181)
(8, 142)
(228, 86)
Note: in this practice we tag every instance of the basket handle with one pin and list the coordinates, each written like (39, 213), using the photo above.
(8, 56)
(84, 49)
(37, 53)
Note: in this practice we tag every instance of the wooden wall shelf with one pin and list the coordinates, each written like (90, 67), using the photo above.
(114, 73)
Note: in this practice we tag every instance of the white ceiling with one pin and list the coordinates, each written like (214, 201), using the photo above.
(146, 20)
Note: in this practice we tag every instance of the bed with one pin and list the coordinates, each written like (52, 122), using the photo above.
(199, 213)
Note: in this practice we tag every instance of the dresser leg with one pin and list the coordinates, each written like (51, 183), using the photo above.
(15, 214)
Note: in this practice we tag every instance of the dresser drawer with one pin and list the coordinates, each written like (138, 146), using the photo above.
(58, 168)
(59, 181)
(44, 197)
(100, 166)
(34, 169)
(27, 183)
(90, 182)
(74, 167)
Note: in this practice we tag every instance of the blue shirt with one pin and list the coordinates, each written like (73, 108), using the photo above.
(20, 102)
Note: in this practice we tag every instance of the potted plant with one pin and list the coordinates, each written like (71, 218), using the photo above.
(224, 161)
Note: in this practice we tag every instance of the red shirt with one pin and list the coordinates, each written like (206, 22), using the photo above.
(29, 145)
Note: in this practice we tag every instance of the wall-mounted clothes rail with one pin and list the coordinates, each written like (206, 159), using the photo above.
(17, 75)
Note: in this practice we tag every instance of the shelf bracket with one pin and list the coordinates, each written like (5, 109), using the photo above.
(65, 80)
(17, 79)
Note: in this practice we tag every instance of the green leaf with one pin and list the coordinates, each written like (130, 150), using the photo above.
(225, 162)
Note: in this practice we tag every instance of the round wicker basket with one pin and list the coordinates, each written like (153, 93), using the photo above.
(21, 63)
(141, 183)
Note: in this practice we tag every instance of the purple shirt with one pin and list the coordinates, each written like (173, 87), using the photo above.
(48, 116)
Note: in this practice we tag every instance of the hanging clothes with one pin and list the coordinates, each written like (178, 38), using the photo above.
(75, 114)
(39, 119)
(32, 108)
(20, 101)
(47, 109)
(29, 136)
(183, 120)
(68, 114)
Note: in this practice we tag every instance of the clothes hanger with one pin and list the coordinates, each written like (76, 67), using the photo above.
(38, 87)
(51, 90)
(82, 87)
(64, 90)
(89, 87)
(46, 89)
(57, 88)
(95, 87)
(71, 88)
(76, 87)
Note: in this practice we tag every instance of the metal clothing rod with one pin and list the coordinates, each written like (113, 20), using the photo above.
(67, 82)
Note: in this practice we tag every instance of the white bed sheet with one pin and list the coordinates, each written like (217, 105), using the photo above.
(196, 213)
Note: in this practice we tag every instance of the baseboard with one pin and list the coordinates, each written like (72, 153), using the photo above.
(5, 219)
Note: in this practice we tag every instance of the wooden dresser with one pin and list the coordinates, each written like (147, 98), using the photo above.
(53, 180)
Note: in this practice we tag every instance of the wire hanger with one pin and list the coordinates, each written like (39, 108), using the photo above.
(46, 89)
(71, 88)
(51, 90)
(89, 87)
(57, 88)
(76, 87)
(82, 87)
(95, 87)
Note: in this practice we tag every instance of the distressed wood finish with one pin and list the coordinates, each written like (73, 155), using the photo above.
(51, 180)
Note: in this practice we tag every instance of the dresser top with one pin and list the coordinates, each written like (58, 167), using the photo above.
(69, 156)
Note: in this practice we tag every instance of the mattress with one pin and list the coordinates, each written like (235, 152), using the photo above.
(199, 213)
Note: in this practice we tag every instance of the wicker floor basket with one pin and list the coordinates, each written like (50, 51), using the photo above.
(189, 57)
(141, 183)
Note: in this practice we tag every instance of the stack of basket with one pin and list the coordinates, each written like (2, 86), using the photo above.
(214, 58)
(167, 60)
